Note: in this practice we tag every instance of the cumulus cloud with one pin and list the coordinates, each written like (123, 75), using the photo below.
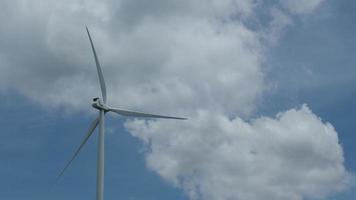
(164, 52)
(199, 59)
(212, 157)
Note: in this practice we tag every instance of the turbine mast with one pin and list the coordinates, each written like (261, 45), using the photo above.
(100, 161)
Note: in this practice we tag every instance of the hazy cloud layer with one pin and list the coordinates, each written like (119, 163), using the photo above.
(199, 59)
(301, 6)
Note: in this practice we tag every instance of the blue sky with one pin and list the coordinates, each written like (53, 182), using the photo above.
(311, 63)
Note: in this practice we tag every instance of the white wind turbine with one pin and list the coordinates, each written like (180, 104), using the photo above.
(103, 109)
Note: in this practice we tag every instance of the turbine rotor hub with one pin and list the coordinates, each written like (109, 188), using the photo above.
(98, 104)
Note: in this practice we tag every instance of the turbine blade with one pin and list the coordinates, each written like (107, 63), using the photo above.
(85, 139)
(100, 73)
(129, 113)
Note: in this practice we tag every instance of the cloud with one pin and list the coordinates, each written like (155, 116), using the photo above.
(162, 54)
(301, 6)
(292, 156)
(199, 59)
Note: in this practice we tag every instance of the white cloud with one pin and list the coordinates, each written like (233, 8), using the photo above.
(211, 157)
(166, 53)
(196, 62)
(193, 58)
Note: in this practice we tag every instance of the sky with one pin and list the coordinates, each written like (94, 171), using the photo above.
(268, 87)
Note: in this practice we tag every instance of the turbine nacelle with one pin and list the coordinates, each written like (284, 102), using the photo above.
(98, 104)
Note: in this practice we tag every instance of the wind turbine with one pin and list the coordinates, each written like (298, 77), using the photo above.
(103, 108)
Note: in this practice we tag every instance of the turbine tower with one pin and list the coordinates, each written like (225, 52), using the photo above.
(103, 108)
